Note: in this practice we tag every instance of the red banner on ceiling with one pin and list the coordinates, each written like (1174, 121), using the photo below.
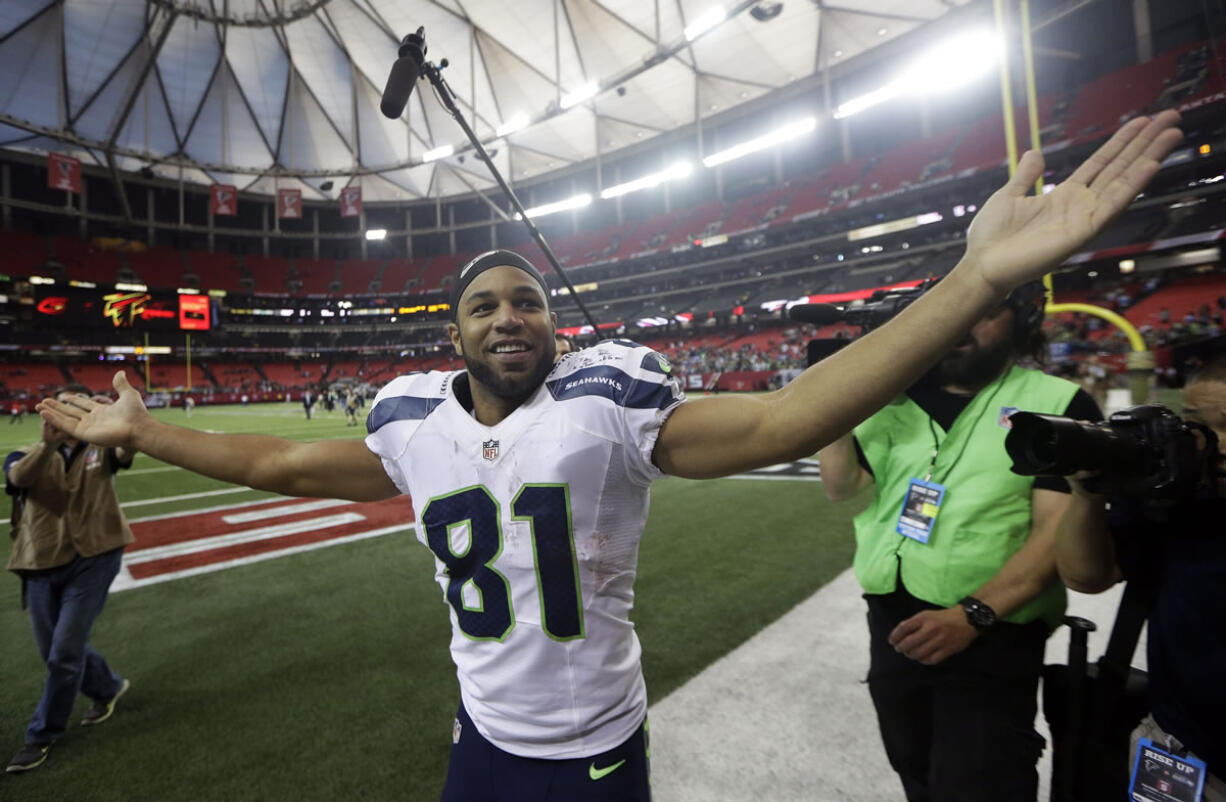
(223, 200)
(63, 172)
(351, 201)
(289, 204)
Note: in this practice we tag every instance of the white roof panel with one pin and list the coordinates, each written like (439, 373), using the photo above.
(505, 59)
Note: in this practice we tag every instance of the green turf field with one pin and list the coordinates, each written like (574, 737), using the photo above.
(325, 675)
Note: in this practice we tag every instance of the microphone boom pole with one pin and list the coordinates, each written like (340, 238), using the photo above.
(447, 97)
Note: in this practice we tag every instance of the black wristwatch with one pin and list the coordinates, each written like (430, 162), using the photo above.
(980, 616)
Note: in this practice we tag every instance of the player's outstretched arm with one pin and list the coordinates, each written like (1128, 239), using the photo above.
(1014, 238)
(330, 469)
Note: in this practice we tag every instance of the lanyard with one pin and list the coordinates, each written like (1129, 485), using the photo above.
(936, 443)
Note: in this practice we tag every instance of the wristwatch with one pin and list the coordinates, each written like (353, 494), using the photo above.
(980, 616)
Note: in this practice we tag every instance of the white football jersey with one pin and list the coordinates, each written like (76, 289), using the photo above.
(535, 526)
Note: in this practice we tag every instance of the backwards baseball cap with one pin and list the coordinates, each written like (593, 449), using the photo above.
(487, 260)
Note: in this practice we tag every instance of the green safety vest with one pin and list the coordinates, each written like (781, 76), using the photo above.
(985, 516)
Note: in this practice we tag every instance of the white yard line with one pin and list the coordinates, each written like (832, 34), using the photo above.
(204, 510)
(125, 581)
(245, 536)
(186, 496)
(289, 509)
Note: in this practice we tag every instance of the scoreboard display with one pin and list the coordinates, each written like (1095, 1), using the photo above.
(141, 310)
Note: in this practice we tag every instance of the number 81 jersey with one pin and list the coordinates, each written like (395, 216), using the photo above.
(535, 525)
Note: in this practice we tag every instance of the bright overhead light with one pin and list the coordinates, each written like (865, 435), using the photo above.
(678, 170)
(954, 63)
(512, 124)
(790, 131)
(585, 92)
(1128, 265)
(438, 153)
(866, 101)
(575, 202)
(705, 22)
(374, 234)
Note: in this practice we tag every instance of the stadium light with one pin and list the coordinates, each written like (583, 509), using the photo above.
(512, 124)
(376, 234)
(575, 202)
(678, 170)
(438, 153)
(588, 90)
(790, 131)
(705, 22)
(954, 63)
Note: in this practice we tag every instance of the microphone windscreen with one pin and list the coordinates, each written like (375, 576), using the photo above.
(817, 314)
(399, 85)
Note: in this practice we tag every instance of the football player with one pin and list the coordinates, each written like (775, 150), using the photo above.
(530, 480)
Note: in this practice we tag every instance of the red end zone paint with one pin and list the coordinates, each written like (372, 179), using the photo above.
(170, 531)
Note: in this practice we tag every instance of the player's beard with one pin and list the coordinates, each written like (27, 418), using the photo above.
(976, 367)
(515, 387)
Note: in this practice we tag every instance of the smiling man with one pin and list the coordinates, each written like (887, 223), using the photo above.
(530, 480)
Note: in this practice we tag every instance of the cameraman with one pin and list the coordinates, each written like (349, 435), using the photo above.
(960, 607)
(1181, 550)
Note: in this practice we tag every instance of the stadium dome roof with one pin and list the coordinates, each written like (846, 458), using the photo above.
(285, 93)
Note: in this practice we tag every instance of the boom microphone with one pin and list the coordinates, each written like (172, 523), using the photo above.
(404, 74)
(817, 314)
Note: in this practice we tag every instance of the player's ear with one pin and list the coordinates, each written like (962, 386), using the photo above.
(453, 332)
(554, 317)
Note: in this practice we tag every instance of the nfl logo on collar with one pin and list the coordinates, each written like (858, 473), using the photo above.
(489, 450)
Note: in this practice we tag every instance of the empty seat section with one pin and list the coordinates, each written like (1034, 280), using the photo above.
(173, 375)
(316, 275)
(398, 273)
(235, 375)
(97, 376)
(83, 262)
(357, 275)
(268, 273)
(440, 267)
(286, 375)
(159, 267)
(30, 378)
(1189, 295)
(219, 271)
(24, 253)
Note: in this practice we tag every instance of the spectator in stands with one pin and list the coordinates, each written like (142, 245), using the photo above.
(960, 603)
(563, 345)
(68, 539)
(1095, 379)
(1179, 551)
(544, 471)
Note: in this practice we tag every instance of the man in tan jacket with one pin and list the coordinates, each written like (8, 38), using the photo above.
(68, 540)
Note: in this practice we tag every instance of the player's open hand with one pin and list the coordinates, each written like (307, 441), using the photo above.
(1018, 237)
(933, 635)
(105, 424)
